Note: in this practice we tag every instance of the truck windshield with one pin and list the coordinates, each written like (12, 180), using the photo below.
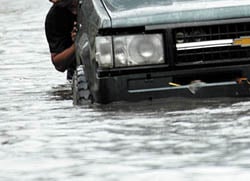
(121, 5)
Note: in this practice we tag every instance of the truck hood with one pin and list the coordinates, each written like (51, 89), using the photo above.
(179, 12)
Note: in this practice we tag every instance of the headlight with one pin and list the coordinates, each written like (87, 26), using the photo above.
(138, 50)
(104, 53)
(129, 50)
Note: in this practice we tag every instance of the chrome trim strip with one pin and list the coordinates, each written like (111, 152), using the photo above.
(181, 87)
(204, 44)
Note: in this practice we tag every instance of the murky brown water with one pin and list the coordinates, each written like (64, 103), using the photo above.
(44, 137)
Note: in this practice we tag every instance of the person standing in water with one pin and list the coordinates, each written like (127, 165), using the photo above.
(60, 34)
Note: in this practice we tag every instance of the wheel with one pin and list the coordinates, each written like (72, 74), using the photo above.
(80, 87)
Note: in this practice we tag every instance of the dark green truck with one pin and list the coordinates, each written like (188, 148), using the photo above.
(131, 50)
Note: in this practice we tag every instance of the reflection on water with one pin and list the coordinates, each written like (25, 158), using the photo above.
(61, 92)
(44, 137)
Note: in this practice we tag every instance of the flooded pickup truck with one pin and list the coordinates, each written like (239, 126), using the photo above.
(131, 50)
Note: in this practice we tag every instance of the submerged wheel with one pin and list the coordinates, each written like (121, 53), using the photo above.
(80, 87)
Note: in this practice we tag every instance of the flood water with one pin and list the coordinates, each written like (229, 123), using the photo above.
(43, 137)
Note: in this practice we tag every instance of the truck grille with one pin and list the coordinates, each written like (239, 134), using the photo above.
(211, 44)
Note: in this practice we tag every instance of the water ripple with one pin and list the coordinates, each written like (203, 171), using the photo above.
(44, 137)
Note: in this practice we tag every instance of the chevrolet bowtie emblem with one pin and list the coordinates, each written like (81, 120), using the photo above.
(242, 41)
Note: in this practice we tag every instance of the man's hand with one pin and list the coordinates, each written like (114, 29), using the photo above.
(74, 32)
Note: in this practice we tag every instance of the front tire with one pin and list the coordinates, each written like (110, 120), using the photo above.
(80, 87)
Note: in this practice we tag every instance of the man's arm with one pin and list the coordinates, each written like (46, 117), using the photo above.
(54, 1)
(62, 60)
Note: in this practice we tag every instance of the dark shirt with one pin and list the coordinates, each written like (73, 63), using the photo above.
(58, 26)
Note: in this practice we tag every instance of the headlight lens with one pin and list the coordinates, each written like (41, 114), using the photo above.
(104, 55)
(132, 50)
(138, 50)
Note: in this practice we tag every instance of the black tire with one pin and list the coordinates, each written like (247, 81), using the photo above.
(80, 87)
